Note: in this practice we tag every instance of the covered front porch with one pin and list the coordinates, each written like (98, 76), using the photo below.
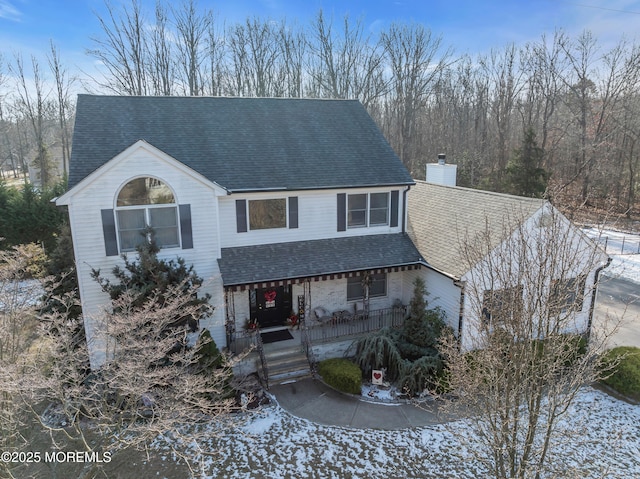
(308, 294)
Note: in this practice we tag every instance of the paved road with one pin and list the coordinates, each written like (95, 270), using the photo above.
(619, 300)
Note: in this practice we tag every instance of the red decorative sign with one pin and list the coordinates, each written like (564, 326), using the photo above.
(270, 299)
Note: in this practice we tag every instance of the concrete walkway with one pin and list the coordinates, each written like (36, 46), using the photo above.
(311, 399)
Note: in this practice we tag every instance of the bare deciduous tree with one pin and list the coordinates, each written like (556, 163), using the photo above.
(34, 103)
(153, 387)
(345, 64)
(162, 65)
(192, 27)
(64, 104)
(529, 357)
(417, 60)
(123, 50)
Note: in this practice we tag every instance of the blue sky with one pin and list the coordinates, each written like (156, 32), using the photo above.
(472, 26)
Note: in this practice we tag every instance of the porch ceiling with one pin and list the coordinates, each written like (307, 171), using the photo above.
(304, 259)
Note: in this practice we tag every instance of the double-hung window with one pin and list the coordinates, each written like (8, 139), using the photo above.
(567, 295)
(367, 209)
(356, 286)
(501, 307)
(143, 205)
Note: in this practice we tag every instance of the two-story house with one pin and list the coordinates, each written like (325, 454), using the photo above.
(294, 206)
(280, 204)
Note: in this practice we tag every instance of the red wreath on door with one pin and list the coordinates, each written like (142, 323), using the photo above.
(270, 295)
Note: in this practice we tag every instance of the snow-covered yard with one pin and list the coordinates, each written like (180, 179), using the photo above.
(605, 440)
(615, 242)
(275, 444)
(627, 265)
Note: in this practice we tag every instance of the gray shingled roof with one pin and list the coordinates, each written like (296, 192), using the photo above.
(440, 218)
(301, 259)
(241, 143)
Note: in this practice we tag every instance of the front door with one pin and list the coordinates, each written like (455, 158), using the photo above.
(270, 306)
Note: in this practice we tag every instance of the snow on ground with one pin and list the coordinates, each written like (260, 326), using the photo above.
(616, 242)
(625, 266)
(275, 444)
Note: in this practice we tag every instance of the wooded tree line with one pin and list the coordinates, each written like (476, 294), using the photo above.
(573, 97)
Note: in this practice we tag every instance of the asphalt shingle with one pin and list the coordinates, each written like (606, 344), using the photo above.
(301, 259)
(441, 218)
(241, 143)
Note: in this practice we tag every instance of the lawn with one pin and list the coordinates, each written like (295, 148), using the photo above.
(275, 444)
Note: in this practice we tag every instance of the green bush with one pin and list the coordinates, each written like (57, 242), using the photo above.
(625, 376)
(207, 352)
(409, 354)
(342, 375)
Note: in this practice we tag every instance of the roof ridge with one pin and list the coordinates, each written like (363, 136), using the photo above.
(228, 97)
(485, 192)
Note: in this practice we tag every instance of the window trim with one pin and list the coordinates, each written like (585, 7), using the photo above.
(147, 214)
(286, 213)
(368, 210)
(379, 277)
(571, 288)
(488, 318)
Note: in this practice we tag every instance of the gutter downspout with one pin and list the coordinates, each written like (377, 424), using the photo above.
(460, 284)
(593, 296)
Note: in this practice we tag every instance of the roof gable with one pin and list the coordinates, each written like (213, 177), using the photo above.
(440, 218)
(123, 156)
(241, 143)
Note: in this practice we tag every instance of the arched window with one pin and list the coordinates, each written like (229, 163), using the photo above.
(146, 203)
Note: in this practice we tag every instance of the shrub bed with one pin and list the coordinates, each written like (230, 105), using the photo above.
(625, 377)
(342, 375)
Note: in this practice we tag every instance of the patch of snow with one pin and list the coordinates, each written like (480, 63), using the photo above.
(615, 242)
(625, 266)
(276, 444)
(20, 294)
(380, 394)
(261, 423)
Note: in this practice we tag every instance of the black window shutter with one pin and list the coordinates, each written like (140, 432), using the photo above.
(342, 211)
(394, 208)
(241, 215)
(185, 226)
(293, 212)
(109, 232)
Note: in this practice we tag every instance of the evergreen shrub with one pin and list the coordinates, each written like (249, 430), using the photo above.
(625, 376)
(342, 375)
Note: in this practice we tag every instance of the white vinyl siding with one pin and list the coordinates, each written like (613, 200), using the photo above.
(316, 218)
(85, 217)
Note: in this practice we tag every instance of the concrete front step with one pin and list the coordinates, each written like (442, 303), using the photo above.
(287, 365)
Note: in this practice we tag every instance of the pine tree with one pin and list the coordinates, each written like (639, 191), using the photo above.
(524, 174)
(150, 277)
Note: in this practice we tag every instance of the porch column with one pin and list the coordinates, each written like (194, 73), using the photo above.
(230, 313)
